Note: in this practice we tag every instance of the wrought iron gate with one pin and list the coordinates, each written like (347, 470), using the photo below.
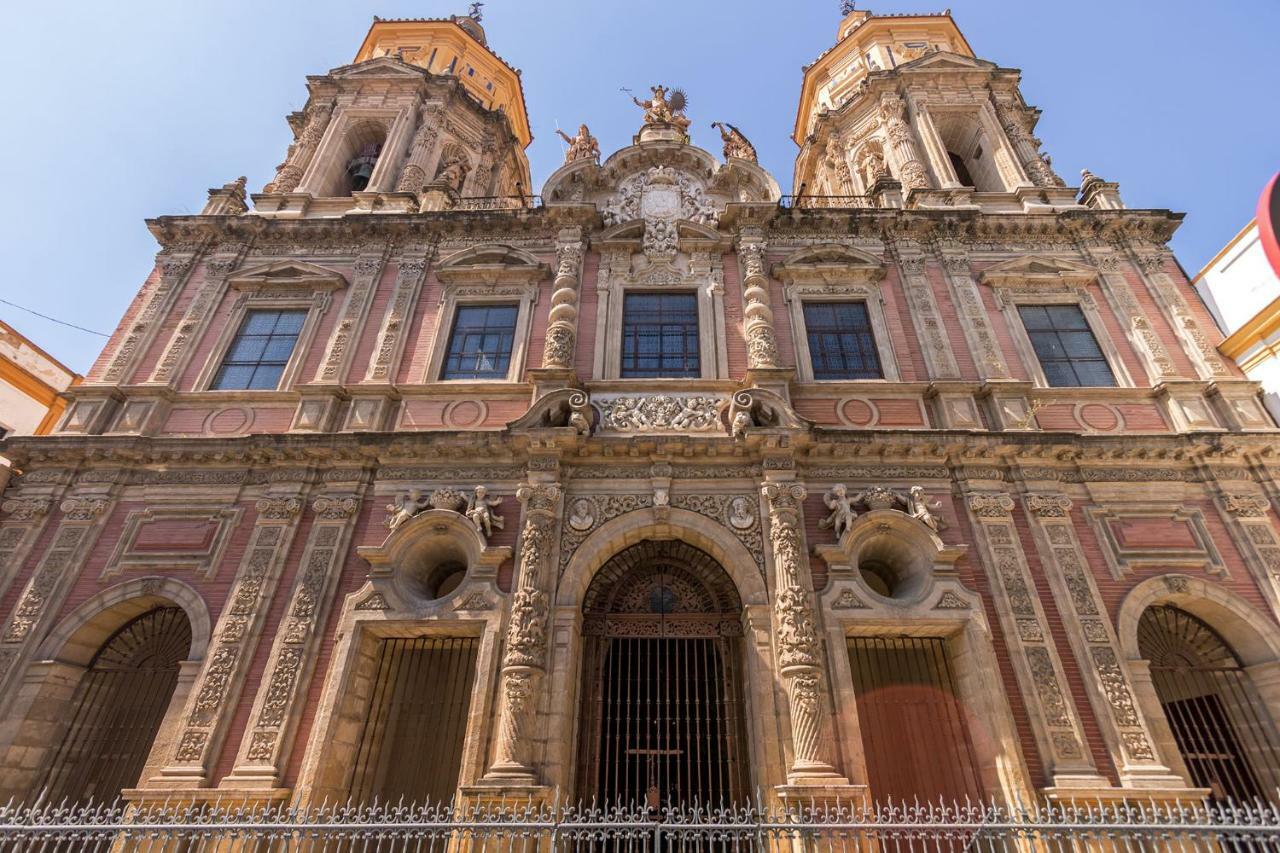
(1227, 739)
(914, 729)
(662, 711)
(118, 707)
(411, 746)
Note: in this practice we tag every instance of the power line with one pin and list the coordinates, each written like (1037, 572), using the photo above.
(53, 319)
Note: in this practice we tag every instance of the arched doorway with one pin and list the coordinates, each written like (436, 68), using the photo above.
(118, 707)
(1225, 735)
(663, 719)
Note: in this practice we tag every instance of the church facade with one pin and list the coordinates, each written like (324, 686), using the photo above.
(396, 480)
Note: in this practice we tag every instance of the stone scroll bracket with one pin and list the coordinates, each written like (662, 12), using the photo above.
(1056, 723)
(207, 716)
(264, 750)
(1089, 628)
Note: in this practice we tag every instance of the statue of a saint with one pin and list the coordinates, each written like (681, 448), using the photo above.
(658, 110)
(453, 171)
(735, 143)
(842, 511)
(581, 147)
(480, 512)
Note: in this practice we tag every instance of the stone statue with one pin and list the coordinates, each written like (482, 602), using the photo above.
(453, 171)
(582, 514)
(658, 110)
(842, 511)
(480, 512)
(918, 507)
(405, 507)
(741, 422)
(740, 513)
(872, 167)
(581, 147)
(735, 143)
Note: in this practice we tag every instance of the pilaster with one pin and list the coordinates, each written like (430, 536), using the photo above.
(177, 353)
(938, 358)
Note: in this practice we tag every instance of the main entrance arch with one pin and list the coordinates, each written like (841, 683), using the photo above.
(662, 710)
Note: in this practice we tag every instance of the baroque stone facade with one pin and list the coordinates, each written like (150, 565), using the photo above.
(948, 487)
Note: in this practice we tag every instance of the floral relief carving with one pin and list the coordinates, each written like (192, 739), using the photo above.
(1246, 506)
(660, 413)
(990, 506)
(27, 509)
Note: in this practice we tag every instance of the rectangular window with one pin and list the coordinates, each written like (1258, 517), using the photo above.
(660, 335)
(257, 357)
(841, 344)
(1069, 353)
(480, 343)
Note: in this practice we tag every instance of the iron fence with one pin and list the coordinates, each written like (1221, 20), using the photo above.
(531, 828)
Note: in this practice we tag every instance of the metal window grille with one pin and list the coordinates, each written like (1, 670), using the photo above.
(1227, 739)
(527, 828)
(660, 335)
(262, 348)
(913, 725)
(1065, 345)
(118, 707)
(841, 344)
(481, 341)
(411, 746)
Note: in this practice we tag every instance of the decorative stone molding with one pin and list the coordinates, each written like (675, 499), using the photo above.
(25, 509)
(757, 312)
(1145, 536)
(1093, 640)
(366, 273)
(524, 658)
(1209, 362)
(173, 270)
(1246, 506)
(205, 718)
(194, 536)
(315, 121)
(660, 196)
(935, 345)
(1056, 723)
(974, 317)
(410, 273)
(1145, 338)
(264, 749)
(660, 413)
(799, 648)
(904, 153)
(178, 351)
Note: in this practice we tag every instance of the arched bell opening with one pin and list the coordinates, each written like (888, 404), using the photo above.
(354, 160)
(970, 151)
(1223, 731)
(662, 714)
(117, 709)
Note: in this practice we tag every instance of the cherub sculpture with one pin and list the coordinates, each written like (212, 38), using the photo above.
(480, 512)
(842, 511)
(741, 423)
(404, 508)
(735, 143)
(581, 147)
(918, 506)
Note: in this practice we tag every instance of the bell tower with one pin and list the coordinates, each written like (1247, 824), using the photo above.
(901, 111)
(426, 117)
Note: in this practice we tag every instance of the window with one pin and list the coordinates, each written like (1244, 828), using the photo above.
(480, 343)
(1064, 344)
(841, 345)
(660, 335)
(261, 350)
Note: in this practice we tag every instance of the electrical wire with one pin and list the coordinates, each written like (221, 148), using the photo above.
(53, 319)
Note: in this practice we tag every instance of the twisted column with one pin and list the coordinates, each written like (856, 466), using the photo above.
(289, 173)
(798, 647)
(1017, 127)
(524, 659)
(562, 332)
(757, 313)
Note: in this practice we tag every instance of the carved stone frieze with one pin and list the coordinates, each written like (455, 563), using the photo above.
(660, 413)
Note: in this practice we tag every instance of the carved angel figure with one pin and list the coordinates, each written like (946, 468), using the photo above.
(741, 422)
(480, 512)
(581, 147)
(735, 143)
(842, 511)
(404, 508)
(918, 506)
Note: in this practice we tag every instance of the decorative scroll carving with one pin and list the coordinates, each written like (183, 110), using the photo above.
(1049, 506)
(660, 413)
(1246, 506)
(924, 311)
(1184, 322)
(524, 658)
(660, 197)
(739, 513)
(26, 509)
(990, 506)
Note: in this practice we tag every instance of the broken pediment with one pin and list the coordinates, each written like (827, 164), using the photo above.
(299, 274)
(829, 262)
(1032, 270)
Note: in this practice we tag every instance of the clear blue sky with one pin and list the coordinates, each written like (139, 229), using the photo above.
(121, 111)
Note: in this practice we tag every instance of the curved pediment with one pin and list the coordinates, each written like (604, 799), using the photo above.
(491, 263)
(1038, 269)
(287, 273)
(829, 262)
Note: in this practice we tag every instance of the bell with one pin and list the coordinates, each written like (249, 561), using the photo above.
(360, 169)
